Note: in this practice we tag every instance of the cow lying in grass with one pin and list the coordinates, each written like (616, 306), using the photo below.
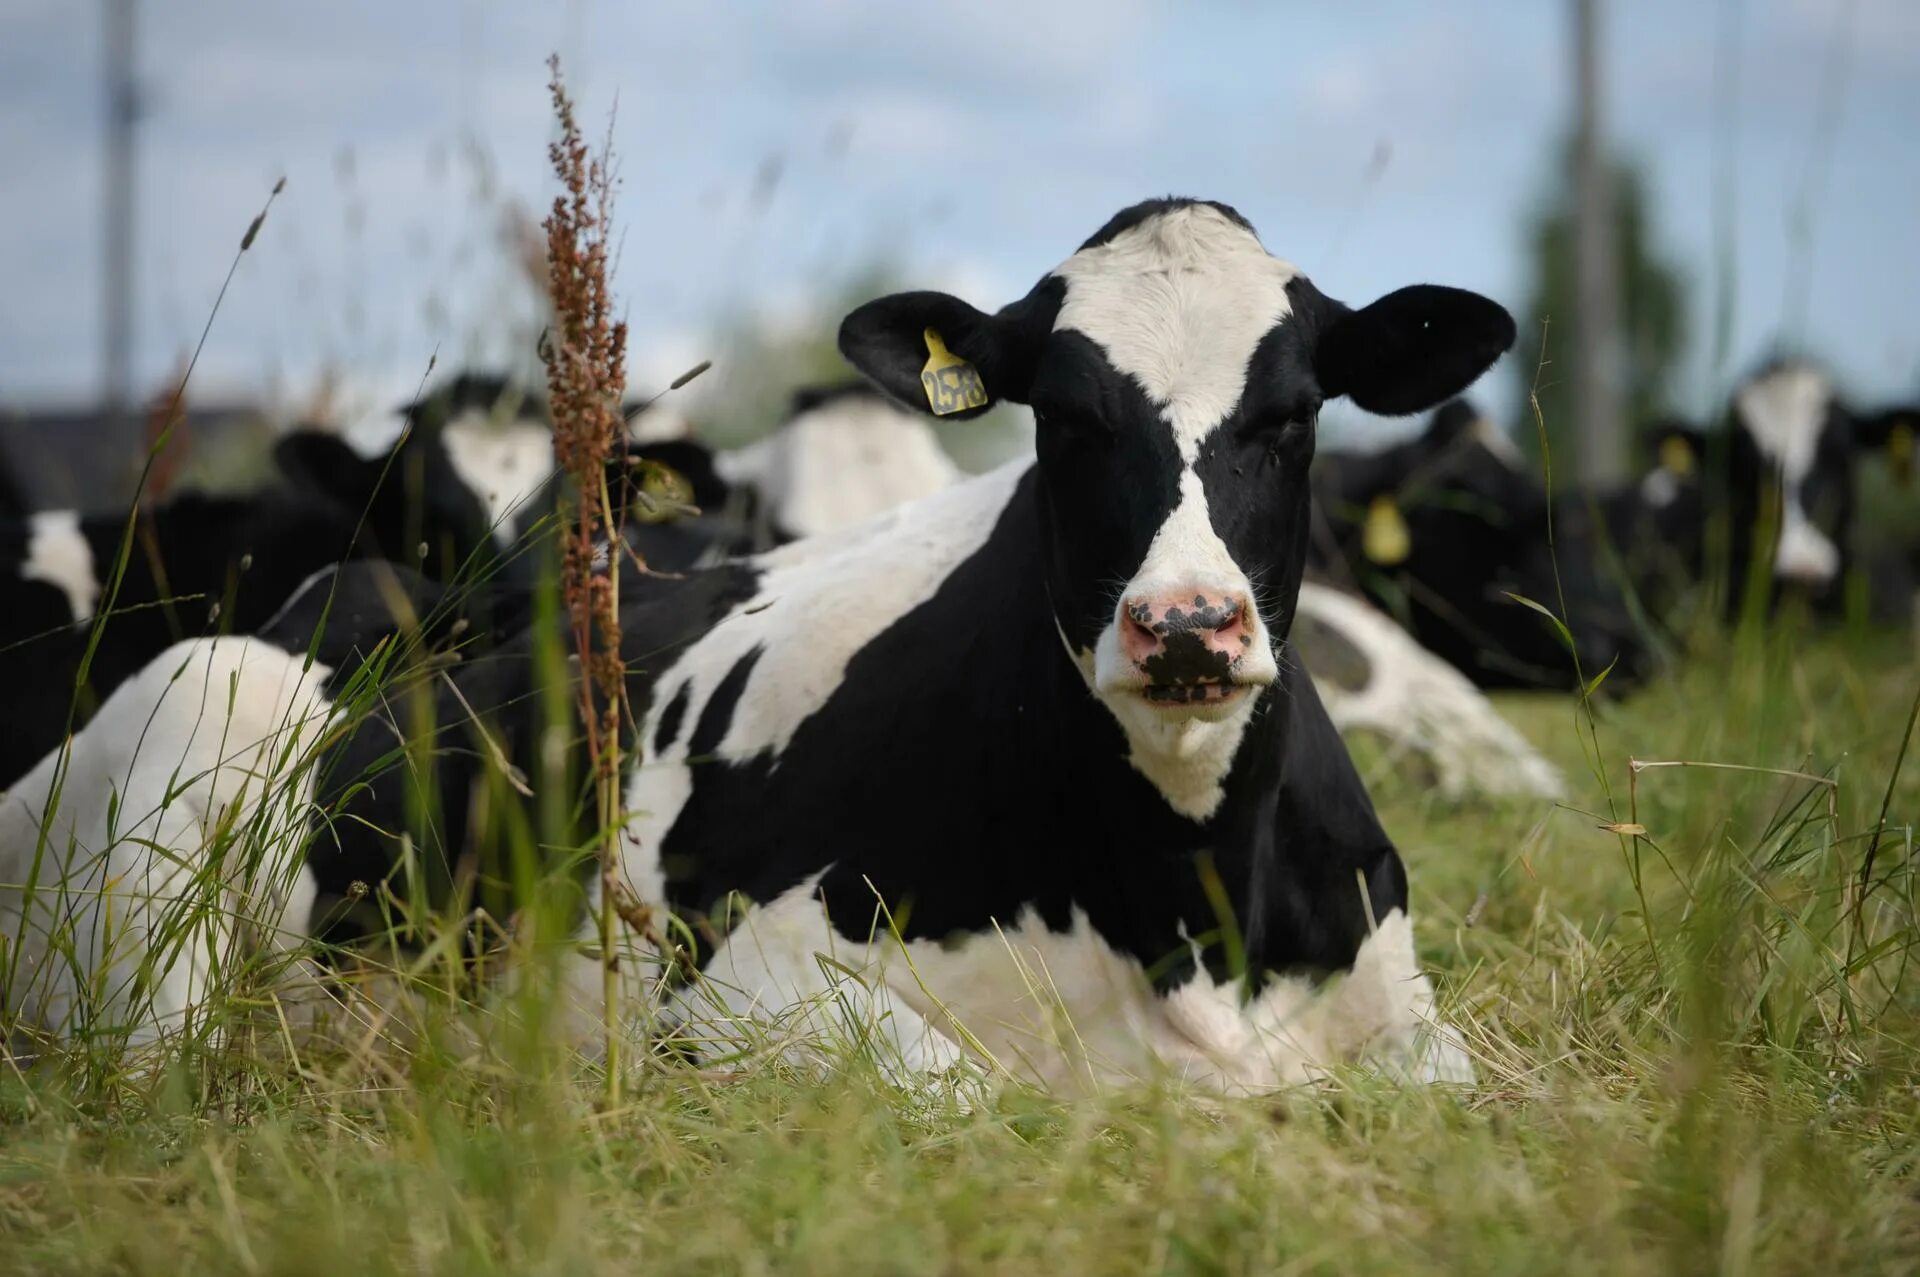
(1024, 771)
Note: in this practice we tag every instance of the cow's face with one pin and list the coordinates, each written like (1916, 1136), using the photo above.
(1793, 454)
(1176, 370)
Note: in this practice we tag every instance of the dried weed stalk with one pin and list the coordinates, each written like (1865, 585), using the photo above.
(585, 357)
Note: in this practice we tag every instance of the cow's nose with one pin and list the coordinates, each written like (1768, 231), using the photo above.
(1186, 636)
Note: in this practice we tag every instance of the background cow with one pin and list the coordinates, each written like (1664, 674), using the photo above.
(1443, 529)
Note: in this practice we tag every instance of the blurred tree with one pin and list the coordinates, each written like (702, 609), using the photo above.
(1652, 313)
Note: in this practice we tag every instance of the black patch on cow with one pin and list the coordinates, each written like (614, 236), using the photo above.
(667, 731)
(717, 714)
(1330, 656)
(1128, 218)
(1109, 478)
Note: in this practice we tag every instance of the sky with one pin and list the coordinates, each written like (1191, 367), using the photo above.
(769, 152)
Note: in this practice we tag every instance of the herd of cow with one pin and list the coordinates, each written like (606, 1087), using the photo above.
(1017, 768)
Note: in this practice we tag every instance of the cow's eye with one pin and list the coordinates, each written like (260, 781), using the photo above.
(1281, 432)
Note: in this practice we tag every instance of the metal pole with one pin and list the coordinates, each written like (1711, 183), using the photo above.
(117, 299)
(1598, 363)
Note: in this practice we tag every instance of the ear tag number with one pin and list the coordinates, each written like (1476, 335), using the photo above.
(1385, 539)
(1676, 456)
(952, 384)
(1900, 451)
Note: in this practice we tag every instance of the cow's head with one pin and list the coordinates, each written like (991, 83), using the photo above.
(1175, 370)
(1792, 453)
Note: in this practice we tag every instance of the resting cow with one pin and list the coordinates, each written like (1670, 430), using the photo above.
(201, 564)
(1026, 766)
(1443, 530)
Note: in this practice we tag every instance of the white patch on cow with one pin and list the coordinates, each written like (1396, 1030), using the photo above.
(1804, 552)
(1784, 412)
(820, 601)
(1418, 702)
(58, 553)
(1179, 303)
(504, 464)
(1660, 489)
(784, 977)
(1061, 1009)
(172, 851)
(841, 464)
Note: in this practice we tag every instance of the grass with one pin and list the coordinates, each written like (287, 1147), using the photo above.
(1722, 1079)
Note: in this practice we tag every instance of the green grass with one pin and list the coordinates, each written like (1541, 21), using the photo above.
(1714, 1070)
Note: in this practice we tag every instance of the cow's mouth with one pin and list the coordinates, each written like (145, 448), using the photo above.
(1191, 695)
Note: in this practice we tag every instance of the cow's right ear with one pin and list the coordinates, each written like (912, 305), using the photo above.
(936, 354)
(324, 462)
(692, 462)
(1897, 432)
(1449, 422)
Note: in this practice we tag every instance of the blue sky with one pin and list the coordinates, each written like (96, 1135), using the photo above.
(973, 145)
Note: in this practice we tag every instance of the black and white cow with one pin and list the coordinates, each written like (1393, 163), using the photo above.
(1768, 500)
(203, 564)
(1026, 765)
(1442, 530)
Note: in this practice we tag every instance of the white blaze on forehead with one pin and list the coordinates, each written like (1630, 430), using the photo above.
(503, 463)
(1179, 303)
(58, 553)
(1784, 413)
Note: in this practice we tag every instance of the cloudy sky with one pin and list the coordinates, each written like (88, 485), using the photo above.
(771, 150)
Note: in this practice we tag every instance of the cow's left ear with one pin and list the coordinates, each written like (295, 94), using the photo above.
(1411, 349)
(936, 354)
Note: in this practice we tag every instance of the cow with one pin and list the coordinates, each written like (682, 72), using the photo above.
(210, 747)
(1764, 505)
(1443, 531)
(199, 563)
(844, 454)
(1024, 768)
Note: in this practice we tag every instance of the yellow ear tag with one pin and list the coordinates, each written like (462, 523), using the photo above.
(1900, 451)
(952, 384)
(1676, 456)
(1385, 539)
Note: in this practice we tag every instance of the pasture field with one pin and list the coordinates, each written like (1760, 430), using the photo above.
(1697, 1053)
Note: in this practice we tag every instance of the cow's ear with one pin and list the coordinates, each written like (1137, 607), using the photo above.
(325, 463)
(1449, 422)
(1411, 349)
(936, 354)
(1897, 432)
(638, 465)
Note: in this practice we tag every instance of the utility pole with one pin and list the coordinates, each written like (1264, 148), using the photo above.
(1598, 360)
(123, 108)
